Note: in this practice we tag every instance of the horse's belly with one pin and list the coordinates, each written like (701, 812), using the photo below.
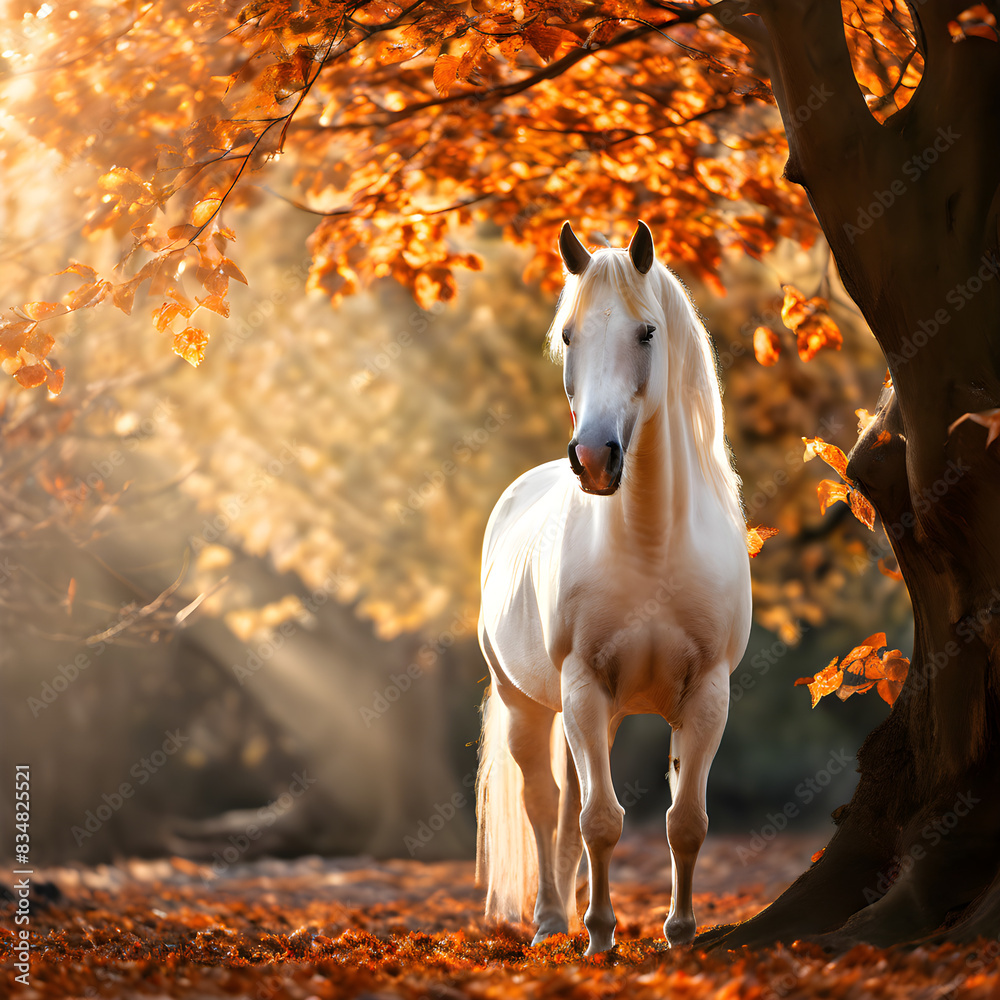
(514, 627)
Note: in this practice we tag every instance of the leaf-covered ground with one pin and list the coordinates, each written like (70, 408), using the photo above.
(270, 930)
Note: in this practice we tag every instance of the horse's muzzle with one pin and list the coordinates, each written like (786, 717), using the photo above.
(598, 469)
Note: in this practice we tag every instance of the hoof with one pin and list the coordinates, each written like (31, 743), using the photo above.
(679, 931)
(602, 935)
(598, 946)
(548, 929)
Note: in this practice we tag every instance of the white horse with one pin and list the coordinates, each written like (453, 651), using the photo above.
(613, 584)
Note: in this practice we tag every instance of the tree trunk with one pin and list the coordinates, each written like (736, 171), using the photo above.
(910, 209)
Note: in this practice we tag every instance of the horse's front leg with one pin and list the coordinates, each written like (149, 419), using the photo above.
(695, 740)
(586, 718)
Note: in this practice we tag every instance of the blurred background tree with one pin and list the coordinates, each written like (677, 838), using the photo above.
(272, 545)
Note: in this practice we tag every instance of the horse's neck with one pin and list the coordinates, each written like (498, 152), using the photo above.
(663, 480)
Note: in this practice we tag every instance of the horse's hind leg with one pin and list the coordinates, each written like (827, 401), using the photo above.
(586, 718)
(695, 739)
(528, 736)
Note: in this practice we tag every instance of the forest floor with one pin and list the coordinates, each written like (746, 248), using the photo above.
(343, 928)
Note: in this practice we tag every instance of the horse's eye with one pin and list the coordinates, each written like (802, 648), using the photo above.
(566, 335)
(647, 333)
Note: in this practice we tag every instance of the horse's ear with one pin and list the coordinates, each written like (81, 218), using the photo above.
(640, 249)
(574, 254)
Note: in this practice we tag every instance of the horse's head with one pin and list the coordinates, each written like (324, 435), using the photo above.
(607, 357)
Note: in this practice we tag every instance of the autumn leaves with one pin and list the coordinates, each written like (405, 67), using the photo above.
(810, 321)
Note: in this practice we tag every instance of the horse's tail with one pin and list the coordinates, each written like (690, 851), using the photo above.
(506, 858)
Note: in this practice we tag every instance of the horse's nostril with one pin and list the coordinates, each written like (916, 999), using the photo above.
(574, 460)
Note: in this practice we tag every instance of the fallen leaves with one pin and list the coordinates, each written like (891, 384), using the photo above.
(343, 928)
(869, 665)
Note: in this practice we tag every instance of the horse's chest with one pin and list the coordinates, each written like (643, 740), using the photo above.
(651, 639)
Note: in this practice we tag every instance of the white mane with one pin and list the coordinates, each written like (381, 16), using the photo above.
(688, 363)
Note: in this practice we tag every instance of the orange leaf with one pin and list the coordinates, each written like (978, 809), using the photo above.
(829, 493)
(990, 419)
(123, 295)
(830, 454)
(543, 39)
(815, 333)
(818, 855)
(182, 232)
(190, 345)
(229, 268)
(31, 375)
(893, 574)
(204, 210)
(44, 310)
(846, 690)
(757, 536)
(88, 295)
(861, 509)
(166, 313)
(55, 380)
(859, 653)
(511, 46)
(895, 666)
(889, 690)
(865, 420)
(809, 318)
(766, 346)
(39, 343)
(794, 308)
(445, 70)
(826, 682)
(84, 270)
(217, 303)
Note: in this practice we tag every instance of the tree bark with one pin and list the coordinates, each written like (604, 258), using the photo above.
(910, 210)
